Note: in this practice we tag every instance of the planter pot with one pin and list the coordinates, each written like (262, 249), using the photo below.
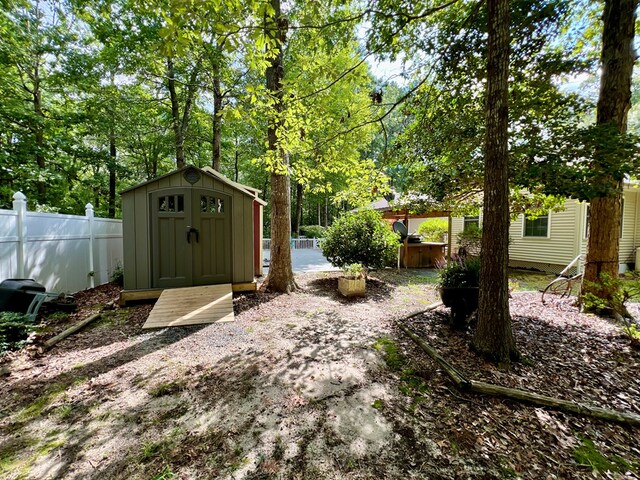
(463, 301)
(351, 287)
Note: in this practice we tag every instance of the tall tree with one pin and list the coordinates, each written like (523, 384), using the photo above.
(280, 277)
(493, 336)
(614, 102)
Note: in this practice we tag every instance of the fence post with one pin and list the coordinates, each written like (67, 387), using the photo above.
(90, 215)
(20, 206)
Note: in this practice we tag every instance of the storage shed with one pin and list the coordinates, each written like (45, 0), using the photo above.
(190, 227)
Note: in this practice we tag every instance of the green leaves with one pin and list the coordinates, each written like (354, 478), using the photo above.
(360, 237)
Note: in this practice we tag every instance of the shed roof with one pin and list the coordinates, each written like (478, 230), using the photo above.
(252, 192)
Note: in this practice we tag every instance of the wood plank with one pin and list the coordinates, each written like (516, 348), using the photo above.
(245, 287)
(192, 306)
(137, 295)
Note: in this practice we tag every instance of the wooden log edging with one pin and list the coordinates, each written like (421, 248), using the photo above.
(467, 385)
(71, 330)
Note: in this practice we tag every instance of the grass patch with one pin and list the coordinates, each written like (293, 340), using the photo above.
(151, 450)
(527, 281)
(35, 408)
(165, 474)
(390, 352)
(167, 388)
(378, 404)
(588, 455)
(110, 318)
(50, 446)
(10, 459)
(64, 411)
(411, 384)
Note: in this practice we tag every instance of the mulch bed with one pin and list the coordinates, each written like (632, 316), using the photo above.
(568, 355)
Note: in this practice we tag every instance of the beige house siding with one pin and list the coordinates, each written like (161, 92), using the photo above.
(629, 239)
(551, 253)
(566, 238)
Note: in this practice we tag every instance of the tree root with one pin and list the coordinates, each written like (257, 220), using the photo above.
(465, 384)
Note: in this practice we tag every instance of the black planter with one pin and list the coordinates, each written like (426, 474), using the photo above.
(463, 301)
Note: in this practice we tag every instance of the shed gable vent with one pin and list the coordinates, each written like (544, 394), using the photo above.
(191, 175)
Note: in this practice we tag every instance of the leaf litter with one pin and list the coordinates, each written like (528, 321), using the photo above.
(296, 388)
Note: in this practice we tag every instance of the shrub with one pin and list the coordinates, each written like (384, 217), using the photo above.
(461, 273)
(312, 231)
(434, 229)
(14, 330)
(470, 239)
(360, 237)
(117, 275)
(615, 305)
(355, 270)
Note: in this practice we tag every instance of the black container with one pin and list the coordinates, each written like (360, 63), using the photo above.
(16, 294)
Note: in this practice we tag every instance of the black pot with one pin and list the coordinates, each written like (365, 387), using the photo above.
(463, 301)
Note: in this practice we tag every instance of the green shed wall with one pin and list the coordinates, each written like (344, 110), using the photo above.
(137, 235)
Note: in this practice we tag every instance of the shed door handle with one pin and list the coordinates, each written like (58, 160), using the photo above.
(191, 230)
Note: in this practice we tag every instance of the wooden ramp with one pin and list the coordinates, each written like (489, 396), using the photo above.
(177, 307)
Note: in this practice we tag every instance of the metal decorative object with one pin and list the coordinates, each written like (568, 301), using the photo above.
(191, 175)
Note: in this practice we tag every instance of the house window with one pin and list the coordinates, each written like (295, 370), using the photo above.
(469, 221)
(538, 227)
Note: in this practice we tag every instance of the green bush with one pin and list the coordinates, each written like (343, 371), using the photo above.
(354, 270)
(461, 273)
(117, 275)
(360, 237)
(470, 239)
(616, 303)
(434, 229)
(14, 330)
(312, 231)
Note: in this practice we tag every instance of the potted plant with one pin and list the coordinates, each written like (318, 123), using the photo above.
(460, 288)
(352, 283)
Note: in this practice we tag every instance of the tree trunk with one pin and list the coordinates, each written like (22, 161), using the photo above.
(175, 115)
(181, 125)
(280, 277)
(39, 130)
(237, 157)
(298, 219)
(112, 171)
(326, 211)
(614, 102)
(493, 336)
(217, 118)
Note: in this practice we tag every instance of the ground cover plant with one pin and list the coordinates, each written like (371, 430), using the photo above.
(313, 385)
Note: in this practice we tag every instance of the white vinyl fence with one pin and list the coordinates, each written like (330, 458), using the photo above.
(65, 253)
(296, 243)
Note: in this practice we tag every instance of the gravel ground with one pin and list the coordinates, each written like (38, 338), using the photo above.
(312, 386)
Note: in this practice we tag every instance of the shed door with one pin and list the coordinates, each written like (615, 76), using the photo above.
(191, 237)
(212, 254)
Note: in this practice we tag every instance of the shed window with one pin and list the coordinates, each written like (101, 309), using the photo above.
(220, 205)
(171, 203)
(204, 204)
(538, 227)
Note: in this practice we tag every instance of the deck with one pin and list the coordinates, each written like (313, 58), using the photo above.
(192, 306)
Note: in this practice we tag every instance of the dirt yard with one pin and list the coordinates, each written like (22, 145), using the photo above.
(314, 386)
